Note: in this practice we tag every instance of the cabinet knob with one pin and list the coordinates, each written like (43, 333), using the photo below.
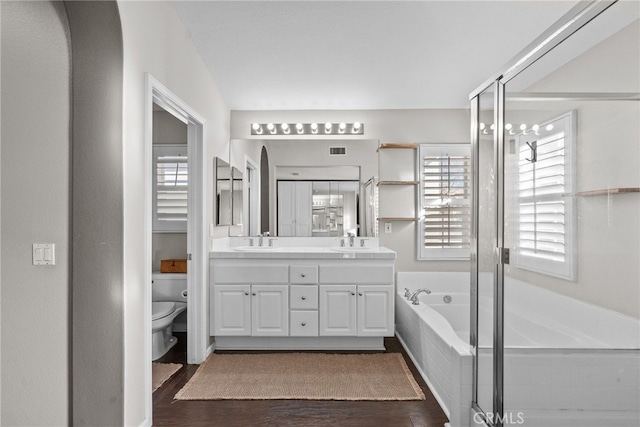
(246, 293)
(303, 275)
(304, 324)
(304, 298)
(360, 293)
(353, 293)
(253, 293)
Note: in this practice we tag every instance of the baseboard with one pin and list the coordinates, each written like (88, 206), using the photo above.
(299, 343)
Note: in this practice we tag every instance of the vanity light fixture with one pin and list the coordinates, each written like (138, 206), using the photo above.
(524, 129)
(328, 128)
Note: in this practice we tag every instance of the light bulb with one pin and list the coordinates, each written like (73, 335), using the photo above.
(492, 127)
(523, 127)
(271, 127)
(356, 127)
(535, 128)
(327, 127)
(285, 128)
(508, 126)
(314, 128)
(342, 127)
(549, 127)
(257, 128)
(482, 125)
(299, 127)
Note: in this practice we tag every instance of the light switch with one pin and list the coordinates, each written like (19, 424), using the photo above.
(44, 254)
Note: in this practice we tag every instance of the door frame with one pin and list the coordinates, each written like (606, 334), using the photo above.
(197, 341)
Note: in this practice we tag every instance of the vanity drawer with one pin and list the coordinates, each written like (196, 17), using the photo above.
(369, 274)
(250, 274)
(303, 323)
(303, 274)
(303, 297)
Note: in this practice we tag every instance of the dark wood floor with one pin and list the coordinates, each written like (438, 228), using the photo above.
(169, 412)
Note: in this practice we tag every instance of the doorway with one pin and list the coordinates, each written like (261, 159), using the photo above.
(197, 341)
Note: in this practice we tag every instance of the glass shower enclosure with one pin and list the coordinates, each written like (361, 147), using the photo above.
(555, 329)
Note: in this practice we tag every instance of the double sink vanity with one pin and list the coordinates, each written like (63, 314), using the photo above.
(301, 293)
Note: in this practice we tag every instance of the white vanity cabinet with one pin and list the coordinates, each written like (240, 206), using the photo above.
(251, 310)
(292, 301)
(356, 310)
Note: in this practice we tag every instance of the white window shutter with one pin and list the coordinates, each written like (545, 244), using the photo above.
(170, 188)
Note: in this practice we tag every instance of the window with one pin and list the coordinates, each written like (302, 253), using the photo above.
(445, 187)
(170, 184)
(545, 202)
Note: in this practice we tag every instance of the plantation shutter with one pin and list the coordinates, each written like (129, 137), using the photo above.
(445, 195)
(171, 180)
(545, 214)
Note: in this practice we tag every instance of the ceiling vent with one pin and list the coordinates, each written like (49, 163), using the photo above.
(337, 151)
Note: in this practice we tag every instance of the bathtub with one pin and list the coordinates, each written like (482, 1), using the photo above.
(567, 363)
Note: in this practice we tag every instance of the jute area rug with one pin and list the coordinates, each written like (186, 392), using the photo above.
(160, 372)
(306, 376)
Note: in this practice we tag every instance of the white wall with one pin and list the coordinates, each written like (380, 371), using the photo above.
(417, 126)
(35, 209)
(155, 42)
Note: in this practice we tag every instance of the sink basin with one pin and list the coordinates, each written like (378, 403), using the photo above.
(255, 248)
(353, 249)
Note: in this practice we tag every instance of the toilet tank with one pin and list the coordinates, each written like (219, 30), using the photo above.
(169, 287)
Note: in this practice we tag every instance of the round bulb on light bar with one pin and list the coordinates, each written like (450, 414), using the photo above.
(314, 128)
(285, 128)
(342, 127)
(271, 127)
(523, 127)
(482, 126)
(508, 126)
(356, 127)
(299, 127)
(549, 127)
(327, 127)
(535, 128)
(256, 128)
(492, 127)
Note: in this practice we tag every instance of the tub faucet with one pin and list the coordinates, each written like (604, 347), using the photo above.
(414, 297)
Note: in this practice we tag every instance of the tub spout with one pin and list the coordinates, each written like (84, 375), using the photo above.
(414, 297)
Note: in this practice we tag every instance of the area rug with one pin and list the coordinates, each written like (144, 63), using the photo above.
(160, 372)
(306, 376)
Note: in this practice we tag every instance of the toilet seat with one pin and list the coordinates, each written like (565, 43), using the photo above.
(162, 309)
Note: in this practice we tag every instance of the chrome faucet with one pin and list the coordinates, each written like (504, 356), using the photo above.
(260, 242)
(352, 239)
(414, 297)
(407, 294)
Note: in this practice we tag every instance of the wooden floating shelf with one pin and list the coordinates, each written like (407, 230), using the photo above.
(397, 219)
(387, 146)
(398, 183)
(608, 192)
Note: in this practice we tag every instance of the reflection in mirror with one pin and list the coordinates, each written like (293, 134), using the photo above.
(308, 176)
(222, 199)
(236, 194)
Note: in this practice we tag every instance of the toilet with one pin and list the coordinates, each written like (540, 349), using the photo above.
(169, 299)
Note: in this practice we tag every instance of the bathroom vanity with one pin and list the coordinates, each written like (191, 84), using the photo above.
(302, 297)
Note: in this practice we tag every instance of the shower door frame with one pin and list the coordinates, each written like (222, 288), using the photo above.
(580, 15)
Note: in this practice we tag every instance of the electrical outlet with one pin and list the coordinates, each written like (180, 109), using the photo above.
(387, 227)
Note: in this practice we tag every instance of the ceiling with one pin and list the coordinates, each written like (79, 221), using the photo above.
(334, 55)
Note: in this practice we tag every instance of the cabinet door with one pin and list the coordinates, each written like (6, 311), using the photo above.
(270, 310)
(232, 310)
(337, 310)
(375, 311)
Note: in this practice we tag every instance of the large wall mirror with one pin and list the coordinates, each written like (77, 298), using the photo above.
(312, 191)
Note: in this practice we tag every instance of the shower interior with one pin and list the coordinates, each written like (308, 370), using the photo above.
(557, 198)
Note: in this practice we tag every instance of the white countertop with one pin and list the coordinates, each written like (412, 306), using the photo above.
(296, 252)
